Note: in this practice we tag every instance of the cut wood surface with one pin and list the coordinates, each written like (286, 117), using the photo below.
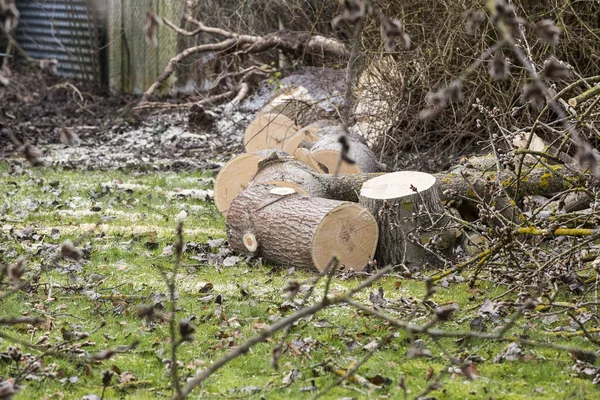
(305, 156)
(268, 131)
(402, 202)
(235, 175)
(293, 229)
(308, 134)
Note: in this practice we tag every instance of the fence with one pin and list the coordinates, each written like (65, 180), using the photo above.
(133, 63)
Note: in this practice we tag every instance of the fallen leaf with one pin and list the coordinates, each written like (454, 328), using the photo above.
(430, 374)
(127, 377)
(379, 380)
(259, 326)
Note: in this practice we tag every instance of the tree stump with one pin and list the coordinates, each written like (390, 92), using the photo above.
(286, 227)
(408, 208)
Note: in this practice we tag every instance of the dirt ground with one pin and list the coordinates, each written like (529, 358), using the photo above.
(113, 135)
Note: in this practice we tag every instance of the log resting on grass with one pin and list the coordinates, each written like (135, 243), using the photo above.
(458, 183)
(285, 227)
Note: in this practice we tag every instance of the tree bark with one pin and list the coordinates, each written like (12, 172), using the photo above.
(457, 183)
(293, 229)
(327, 151)
(410, 216)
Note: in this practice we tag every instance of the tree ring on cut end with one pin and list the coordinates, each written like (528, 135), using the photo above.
(250, 242)
(348, 232)
(396, 185)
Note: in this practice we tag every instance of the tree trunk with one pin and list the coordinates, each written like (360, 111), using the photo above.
(286, 227)
(409, 211)
(458, 183)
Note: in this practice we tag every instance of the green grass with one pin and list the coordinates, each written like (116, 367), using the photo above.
(137, 221)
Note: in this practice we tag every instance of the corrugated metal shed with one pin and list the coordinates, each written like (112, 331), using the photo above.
(65, 30)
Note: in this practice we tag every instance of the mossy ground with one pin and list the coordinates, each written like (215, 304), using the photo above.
(137, 220)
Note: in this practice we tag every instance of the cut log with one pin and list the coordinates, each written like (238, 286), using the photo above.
(235, 175)
(305, 156)
(296, 103)
(459, 183)
(289, 171)
(327, 151)
(293, 229)
(268, 131)
(308, 134)
(408, 209)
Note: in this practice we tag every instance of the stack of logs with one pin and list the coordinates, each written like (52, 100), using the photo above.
(290, 199)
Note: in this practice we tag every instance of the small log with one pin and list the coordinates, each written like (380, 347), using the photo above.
(235, 175)
(327, 151)
(268, 131)
(585, 96)
(408, 208)
(292, 229)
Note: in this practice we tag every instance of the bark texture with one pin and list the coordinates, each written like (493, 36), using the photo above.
(405, 221)
(458, 183)
(300, 230)
(328, 148)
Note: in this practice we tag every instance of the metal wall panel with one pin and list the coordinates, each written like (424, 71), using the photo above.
(64, 30)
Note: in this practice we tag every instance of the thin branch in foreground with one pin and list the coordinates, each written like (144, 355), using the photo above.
(270, 331)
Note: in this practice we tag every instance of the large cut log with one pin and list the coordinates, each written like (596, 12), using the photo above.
(286, 227)
(409, 214)
(327, 151)
(458, 183)
(235, 175)
(297, 103)
(268, 131)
